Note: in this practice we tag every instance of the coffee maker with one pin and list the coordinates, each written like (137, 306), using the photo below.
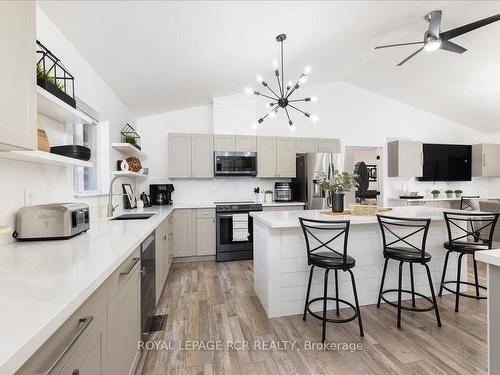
(161, 194)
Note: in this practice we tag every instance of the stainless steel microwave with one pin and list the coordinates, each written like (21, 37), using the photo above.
(230, 163)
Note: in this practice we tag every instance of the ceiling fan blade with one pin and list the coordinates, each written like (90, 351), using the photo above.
(409, 57)
(452, 47)
(434, 19)
(453, 33)
(397, 45)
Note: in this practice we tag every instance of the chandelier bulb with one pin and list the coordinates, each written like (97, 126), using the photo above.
(307, 69)
(303, 79)
(275, 64)
(271, 105)
(248, 90)
(272, 114)
(314, 118)
(314, 98)
(260, 79)
(254, 125)
(292, 127)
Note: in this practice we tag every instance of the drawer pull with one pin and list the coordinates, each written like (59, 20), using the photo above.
(83, 324)
(134, 262)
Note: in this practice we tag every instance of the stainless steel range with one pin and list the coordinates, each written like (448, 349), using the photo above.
(234, 230)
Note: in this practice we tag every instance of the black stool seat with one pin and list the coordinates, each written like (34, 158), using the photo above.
(473, 231)
(406, 254)
(465, 247)
(322, 237)
(404, 241)
(328, 259)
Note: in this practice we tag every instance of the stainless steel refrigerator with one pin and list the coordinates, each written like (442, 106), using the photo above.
(309, 168)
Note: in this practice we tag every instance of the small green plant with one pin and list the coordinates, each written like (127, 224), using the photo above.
(268, 192)
(129, 139)
(41, 74)
(341, 183)
(458, 191)
(435, 193)
(449, 193)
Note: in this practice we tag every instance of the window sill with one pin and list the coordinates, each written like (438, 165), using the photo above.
(89, 194)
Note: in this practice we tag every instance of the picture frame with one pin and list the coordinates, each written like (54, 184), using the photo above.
(129, 200)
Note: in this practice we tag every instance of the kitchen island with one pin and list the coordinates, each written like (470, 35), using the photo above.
(280, 261)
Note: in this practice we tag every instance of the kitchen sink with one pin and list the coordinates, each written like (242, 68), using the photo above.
(142, 216)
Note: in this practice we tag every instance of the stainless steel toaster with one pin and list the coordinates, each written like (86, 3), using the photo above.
(51, 221)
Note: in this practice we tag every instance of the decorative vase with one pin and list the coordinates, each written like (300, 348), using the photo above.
(449, 195)
(337, 202)
(435, 196)
(458, 195)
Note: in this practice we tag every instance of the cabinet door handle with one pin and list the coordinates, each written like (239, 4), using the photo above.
(484, 159)
(83, 324)
(134, 262)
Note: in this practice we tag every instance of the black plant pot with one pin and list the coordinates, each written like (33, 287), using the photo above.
(338, 202)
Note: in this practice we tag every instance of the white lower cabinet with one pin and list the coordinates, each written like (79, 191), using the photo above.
(184, 231)
(124, 327)
(164, 254)
(205, 232)
(90, 358)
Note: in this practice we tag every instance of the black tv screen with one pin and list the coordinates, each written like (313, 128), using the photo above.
(447, 162)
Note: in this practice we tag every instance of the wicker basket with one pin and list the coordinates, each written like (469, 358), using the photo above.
(363, 209)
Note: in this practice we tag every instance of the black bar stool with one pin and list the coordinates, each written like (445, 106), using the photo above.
(465, 203)
(474, 232)
(406, 246)
(320, 253)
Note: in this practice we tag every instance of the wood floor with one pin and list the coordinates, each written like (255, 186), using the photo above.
(215, 301)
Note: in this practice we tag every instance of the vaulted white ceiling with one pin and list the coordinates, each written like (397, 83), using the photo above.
(160, 56)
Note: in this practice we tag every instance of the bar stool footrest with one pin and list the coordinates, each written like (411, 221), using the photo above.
(356, 313)
(464, 294)
(417, 309)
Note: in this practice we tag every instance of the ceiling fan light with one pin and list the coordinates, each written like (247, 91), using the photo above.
(432, 45)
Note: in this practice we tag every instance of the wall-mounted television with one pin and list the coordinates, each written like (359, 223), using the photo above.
(447, 162)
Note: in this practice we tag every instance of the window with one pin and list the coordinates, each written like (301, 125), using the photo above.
(92, 180)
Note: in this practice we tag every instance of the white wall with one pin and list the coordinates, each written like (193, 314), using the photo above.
(357, 116)
(47, 184)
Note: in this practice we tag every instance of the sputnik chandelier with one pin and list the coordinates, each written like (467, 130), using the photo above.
(281, 97)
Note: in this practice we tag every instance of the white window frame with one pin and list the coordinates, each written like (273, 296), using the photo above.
(102, 164)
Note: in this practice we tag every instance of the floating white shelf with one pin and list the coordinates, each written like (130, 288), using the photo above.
(129, 174)
(42, 157)
(53, 107)
(128, 150)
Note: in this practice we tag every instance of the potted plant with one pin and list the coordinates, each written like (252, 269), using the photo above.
(458, 193)
(341, 183)
(268, 197)
(449, 193)
(435, 193)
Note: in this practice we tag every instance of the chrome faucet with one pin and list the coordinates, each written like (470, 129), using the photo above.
(110, 208)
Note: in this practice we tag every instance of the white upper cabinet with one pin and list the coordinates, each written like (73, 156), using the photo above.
(266, 156)
(202, 156)
(285, 157)
(405, 159)
(223, 142)
(246, 143)
(329, 145)
(179, 155)
(305, 145)
(485, 159)
(18, 77)
(190, 155)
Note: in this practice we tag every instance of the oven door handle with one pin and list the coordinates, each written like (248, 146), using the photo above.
(218, 215)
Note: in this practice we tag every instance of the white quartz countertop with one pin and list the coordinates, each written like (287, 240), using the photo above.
(43, 282)
(290, 219)
(443, 199)
(489, 256)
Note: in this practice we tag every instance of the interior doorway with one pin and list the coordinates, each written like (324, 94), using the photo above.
(371, 187)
